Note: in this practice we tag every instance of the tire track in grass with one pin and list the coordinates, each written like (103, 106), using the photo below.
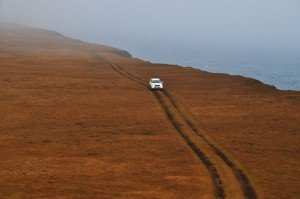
(171, 114)
(164, 96)
(245, 184)
(248, 190)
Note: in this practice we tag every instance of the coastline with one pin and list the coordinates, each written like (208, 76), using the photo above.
(221, 73)
(126, 53)
(226, 73)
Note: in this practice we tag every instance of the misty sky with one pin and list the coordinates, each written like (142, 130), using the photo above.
(254, 23)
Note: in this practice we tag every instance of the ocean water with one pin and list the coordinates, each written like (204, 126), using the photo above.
(280, 69)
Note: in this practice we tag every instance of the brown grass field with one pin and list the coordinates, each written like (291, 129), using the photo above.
(76, 121)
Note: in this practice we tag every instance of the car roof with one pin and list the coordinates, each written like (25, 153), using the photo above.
(155, 79)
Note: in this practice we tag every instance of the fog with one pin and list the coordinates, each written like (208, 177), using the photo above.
(268, 23)
(254, 38)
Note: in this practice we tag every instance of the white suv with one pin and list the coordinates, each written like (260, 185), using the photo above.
(156, 83)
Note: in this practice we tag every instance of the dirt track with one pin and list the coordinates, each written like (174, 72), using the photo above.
(222, 169)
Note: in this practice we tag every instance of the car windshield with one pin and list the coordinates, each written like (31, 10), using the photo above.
(155, 81)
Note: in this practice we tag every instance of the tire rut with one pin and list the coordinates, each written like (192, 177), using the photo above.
(219, 190)
(248, 190)
(175, 108)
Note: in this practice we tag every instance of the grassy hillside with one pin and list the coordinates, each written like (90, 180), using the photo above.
(72, 124)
